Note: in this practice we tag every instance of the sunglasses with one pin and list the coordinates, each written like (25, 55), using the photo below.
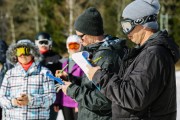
(43, 42)
(74, 45)
(81, 36)
(23, 51)
(128, 25)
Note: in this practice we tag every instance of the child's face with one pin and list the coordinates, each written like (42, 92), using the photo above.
(25, 59)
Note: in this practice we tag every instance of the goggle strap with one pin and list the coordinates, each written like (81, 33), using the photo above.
(145, 19)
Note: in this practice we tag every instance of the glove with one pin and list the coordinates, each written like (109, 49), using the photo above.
(58, 87)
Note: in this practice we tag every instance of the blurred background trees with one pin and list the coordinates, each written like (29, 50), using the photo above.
(24, 18)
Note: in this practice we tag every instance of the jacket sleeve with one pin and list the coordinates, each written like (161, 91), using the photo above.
(5, 99)
(140, 86)
(90, 98)
(88, 94)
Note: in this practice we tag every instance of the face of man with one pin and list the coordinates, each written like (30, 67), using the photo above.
(43, 45)
(135, 30)
(43, 48)
(137, 35)
(85, 39)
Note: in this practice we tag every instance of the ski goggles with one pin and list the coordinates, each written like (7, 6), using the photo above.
(23, 51)
(74, 45)
(43, 42)
(128, 25)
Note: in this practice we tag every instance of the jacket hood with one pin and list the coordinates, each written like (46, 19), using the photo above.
(11, 52)
(3, 49)
(162, 38)
(109, 43)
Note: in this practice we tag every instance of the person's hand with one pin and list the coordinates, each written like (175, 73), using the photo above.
(14, 102)
(61, 74)
(58, 87)
(23, 100)
(76, 109)
(91, 71)
(56, 108)
(64, 87)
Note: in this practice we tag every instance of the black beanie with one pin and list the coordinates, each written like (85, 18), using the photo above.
(90, 22)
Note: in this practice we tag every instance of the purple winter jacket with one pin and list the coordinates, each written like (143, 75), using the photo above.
(63, 99)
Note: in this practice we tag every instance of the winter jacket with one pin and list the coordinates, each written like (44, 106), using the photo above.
(93, 105)
(34, 83)
(5, 64)
(147, 89)
(3, 48)
(65, 100)
(51, 61)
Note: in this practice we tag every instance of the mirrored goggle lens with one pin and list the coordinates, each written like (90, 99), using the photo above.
(127, 27)
(74, 45)
(22, 51)
(43, 42)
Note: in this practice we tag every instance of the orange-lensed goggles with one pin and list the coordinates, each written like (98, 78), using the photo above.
(74, 45)
(22, 51)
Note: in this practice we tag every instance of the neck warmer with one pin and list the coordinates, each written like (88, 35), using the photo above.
(27, 66)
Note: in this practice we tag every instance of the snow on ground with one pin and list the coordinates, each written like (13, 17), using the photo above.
(178, 94)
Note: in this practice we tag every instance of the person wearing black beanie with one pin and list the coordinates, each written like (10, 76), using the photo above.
(105, 51)
(90, 22)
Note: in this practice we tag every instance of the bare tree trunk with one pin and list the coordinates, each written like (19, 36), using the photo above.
(119, 12)
(70, 17)
(36, 15)
(3, 25)
(12, 29)
(34, 7)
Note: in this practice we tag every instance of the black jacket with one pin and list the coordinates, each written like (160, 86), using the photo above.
(3, 48)
(5, 65)
(147, 88)
(92, 104)
(51, 60)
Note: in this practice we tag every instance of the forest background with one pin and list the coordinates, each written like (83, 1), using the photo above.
(21, 19)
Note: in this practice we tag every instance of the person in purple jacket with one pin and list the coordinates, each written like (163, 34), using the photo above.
(70, 106)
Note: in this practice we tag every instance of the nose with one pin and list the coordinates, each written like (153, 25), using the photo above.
(22, 55)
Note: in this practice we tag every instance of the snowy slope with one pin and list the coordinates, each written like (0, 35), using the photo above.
(178, 94)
